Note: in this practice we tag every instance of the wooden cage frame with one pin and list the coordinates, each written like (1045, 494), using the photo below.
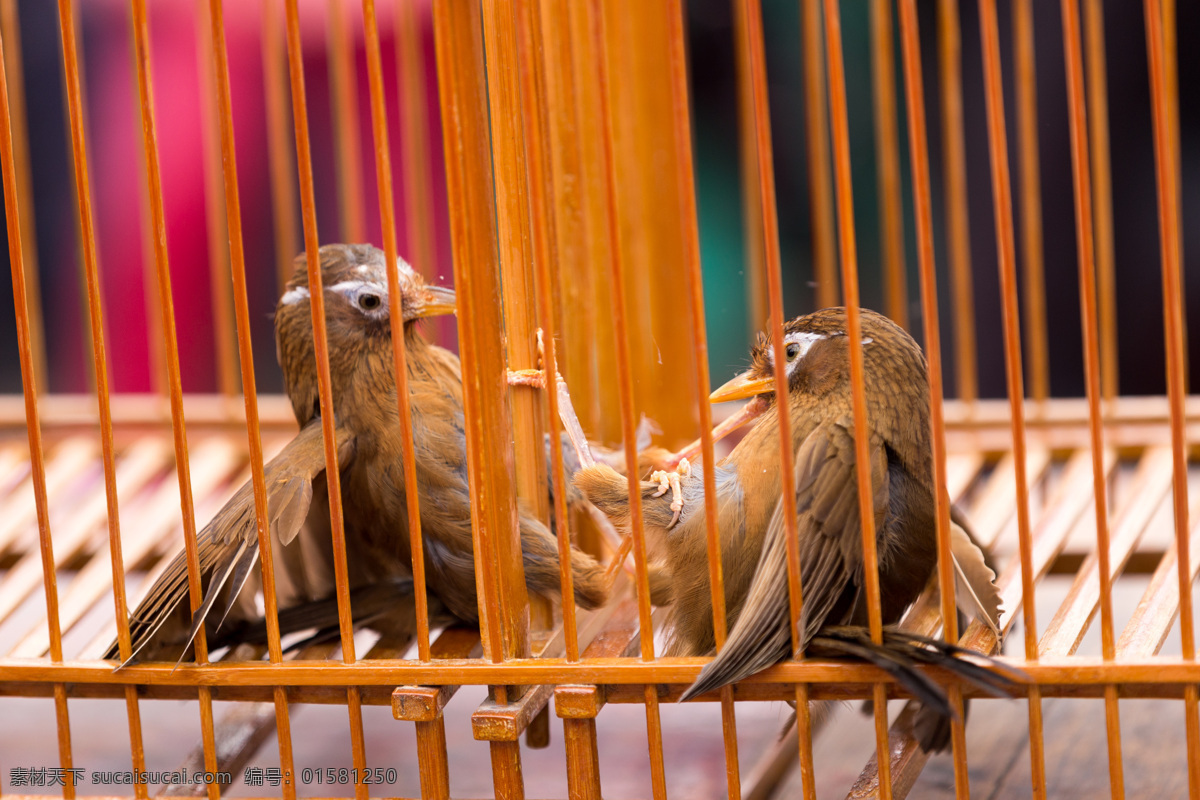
(506, 141)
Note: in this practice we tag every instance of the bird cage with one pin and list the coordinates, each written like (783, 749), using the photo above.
(542, 158)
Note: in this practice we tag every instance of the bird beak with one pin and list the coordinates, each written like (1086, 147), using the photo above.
(741, 387)
(432, 301)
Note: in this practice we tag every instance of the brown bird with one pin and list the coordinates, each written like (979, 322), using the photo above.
(371, 468)
(752, 532)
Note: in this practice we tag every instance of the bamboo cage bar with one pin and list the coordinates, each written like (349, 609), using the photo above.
(1025, 85)
(157, 366)
(324, 381)
(575, 317)
(1005, 247)
(751, 12)
(141, 37)
(596, 25)
(955, 186)
(415, 155)
(34, 428)
(216, 230)
(752, 247)
(887, 160)
(220, 84)
(543, 226)
(387, 219)
(923, 205)
(343, 80)
(1170, 242)
(820, 182)
(681, 123)
(605, 408)
(1097, 103)
(1085, 243)
(280, 159)
(848, 248)
(10, 30)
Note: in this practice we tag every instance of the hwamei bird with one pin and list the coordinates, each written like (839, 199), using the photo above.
(370, 460)
(753, 540)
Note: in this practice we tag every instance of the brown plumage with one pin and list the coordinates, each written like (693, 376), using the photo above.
(751, 526)
(372, 473)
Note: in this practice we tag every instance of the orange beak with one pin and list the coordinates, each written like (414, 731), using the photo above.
(741, 387)
(432, 301)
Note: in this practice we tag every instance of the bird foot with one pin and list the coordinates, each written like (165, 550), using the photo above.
(670, 480)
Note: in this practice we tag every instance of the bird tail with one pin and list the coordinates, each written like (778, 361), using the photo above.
(899, 655)
(540, 551)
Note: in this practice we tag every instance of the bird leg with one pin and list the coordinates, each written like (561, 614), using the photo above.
(748, 413)
(566, 411)
(670, 480)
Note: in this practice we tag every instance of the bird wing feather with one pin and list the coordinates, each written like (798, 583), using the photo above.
(827, 514)
(228, 545)
(974, 581)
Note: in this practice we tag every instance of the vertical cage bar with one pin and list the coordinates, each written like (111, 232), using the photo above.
(1006, 257)
(220, 86)
(820, 182)
(10, 29)
(279, 149)
(1169, 239)
(1073, 54)
(849, 253)
(1097, 103)
(1031, 200)
(681, 124)
(596, 29)
(514, 224)
(347, 137)
(33, 424)
(155, 333)
(490, 460)
(954, 155)
(141, 41)
(543, 219)
(918, 144)
(387, 219)
(324, 380)
(751, 13)
(887, 159)
(1171, 70)
(755, 258)
(415, 159)
(605, 408)
(215, 224)
(577, 308)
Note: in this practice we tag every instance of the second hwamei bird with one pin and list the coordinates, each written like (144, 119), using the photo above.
(753, 535)
(371, 467)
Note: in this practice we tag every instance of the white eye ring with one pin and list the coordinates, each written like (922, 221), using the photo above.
(368, 297)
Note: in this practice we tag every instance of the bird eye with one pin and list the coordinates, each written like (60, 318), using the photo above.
(369, 302)
(792, 351)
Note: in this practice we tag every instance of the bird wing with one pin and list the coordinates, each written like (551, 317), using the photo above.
(228, 545)
(827, 521)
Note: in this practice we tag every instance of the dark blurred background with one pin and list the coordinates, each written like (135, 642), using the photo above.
(115, 142)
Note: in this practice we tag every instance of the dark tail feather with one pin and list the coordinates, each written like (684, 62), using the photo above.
(897, 660)
(992, 676)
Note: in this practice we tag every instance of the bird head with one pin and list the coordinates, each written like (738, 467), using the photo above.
(816, 347)
(357, 315)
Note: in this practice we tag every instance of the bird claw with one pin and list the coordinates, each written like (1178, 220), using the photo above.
(670, 480)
